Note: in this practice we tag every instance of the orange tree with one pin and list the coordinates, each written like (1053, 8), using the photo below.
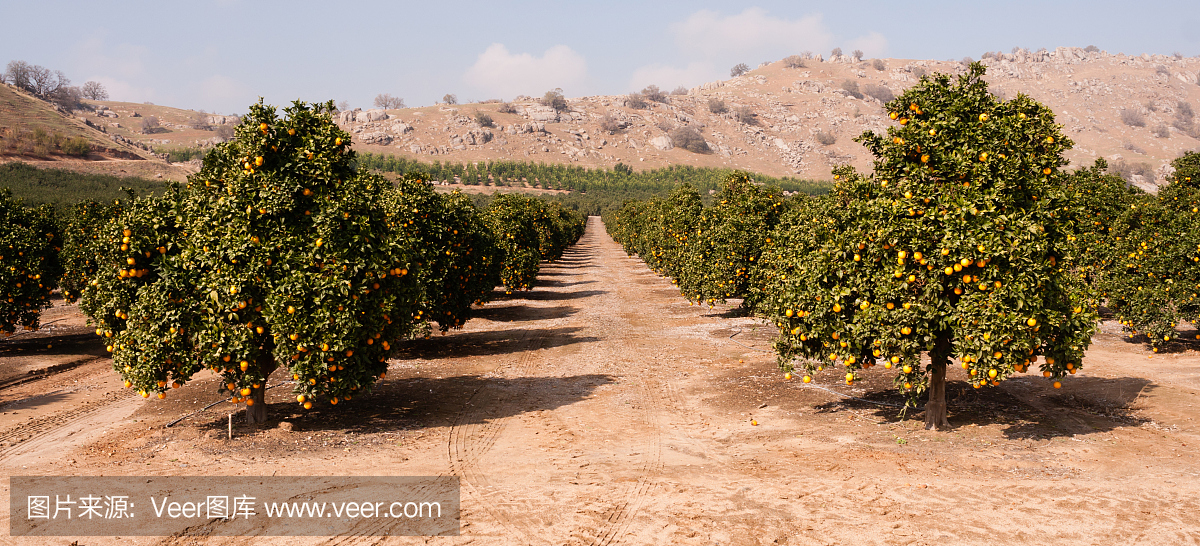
(81, 246)
(727, 241)
(658, 230)
(951, 247)
(1153, 275)
(1098, 200)
(457, 252)
(276, 254)
(29, 264)
(528, 231)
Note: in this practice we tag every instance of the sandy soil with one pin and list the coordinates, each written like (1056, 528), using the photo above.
(600, 408)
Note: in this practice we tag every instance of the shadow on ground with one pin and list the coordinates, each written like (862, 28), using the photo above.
(522, 313)
(462, 344)
(1026, 407)
(421, 402)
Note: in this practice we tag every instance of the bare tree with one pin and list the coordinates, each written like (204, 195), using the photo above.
(747, 116)
(858, 54)
(610, 124)
(200, 121)
(388, 102)
(635, 100)
(17, 73)
(343, 106)
(68, 97)
(837, 52)
(877, 64)
(224, 132)
(555, 99)
(45, 82)
(681, 90)
(450, 98)
(653, 93)
(94, 90)
(483, 119)
(150, 125)
(690, 140)
(717, 106)
(879, 92)
(793, 61)
(35, 79)
(507, 108)
(739, 69)
(1133, 118)
(851, 88)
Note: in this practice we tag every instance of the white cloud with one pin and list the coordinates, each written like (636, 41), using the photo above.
(872, 45)
(668, 77)
(752, 32)
(710, 43)
(501, 74)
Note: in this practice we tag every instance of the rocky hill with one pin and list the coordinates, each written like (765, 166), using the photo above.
(786, 118)
(1135, 111)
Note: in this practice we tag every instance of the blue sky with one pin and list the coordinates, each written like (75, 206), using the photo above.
(221, 55)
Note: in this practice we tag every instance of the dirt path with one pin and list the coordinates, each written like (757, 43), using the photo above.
(601, 408)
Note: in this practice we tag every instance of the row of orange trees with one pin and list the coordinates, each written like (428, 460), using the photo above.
(280, 253)
(969, 242)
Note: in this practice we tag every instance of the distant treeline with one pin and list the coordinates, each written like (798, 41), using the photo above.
(62, 188)
(591, 190)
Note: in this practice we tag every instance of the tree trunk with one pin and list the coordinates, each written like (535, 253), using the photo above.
(256, 414)
(935, 408)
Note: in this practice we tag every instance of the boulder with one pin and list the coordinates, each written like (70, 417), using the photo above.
(662, 142)
(538, 112)
(377, 138)
(368, 116)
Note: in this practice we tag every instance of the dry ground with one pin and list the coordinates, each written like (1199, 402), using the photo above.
(600, 408)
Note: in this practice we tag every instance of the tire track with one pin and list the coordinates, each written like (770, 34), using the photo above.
(28, 437)
(473, 435)
(617, 520)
